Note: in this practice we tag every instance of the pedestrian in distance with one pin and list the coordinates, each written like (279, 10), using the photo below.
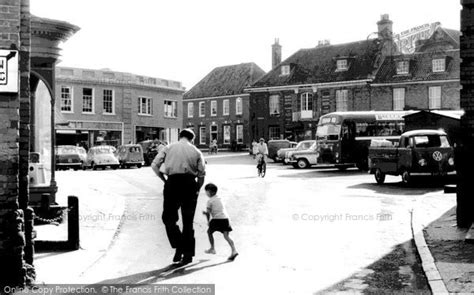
(181, 167)
(218, 220)
(254, 148)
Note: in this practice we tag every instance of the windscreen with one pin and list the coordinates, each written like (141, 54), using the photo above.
(427, 141)
(64, 150)
(328, 132)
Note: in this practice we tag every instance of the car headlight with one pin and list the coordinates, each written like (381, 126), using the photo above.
(451, 161)
(422, 162)
(337, 155)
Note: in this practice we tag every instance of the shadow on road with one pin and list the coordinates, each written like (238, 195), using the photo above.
(420, 186)
(162, 274)
(315, 173)
(397, 272)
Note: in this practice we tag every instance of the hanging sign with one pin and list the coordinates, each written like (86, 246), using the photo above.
(8, 71)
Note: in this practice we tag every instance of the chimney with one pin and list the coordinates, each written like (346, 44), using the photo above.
(384, 27)
(276, 53)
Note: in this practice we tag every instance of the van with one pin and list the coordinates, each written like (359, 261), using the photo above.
(130, 155)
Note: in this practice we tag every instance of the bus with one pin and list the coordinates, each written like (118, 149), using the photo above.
(343, 138)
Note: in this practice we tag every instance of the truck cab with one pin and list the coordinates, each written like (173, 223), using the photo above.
(418, 152)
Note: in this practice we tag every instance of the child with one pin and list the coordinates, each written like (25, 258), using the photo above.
(218, 220)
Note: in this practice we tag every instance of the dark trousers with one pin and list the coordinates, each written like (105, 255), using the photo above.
(180, 192)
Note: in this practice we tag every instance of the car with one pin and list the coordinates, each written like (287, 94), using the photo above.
(282, 154)
(150, 150)
(304, 158)
(275, 144)
(69, 156)
(418, 152)
(101, 156)
(130, 155)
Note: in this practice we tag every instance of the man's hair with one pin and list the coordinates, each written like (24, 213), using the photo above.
(211, 187)
(188, 133)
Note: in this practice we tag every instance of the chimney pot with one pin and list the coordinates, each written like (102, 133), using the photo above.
(276, 53)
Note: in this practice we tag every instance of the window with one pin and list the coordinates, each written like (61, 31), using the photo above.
(239, 133)
(226, 133)
(434, 97)
(398, 99)
(341, 100)
(274, 132)
(202, 135)
(190, 109)
(108, 101)
(202, 109)
(341, 65)
(285, 70)
(87, 100)
(144, 106)
(238, 106)
(214, 108)
(274, 104)
(213, 132)
(170, 109)
(402, 67)
(225, 107)
(66, 99)
(307, 101)
(439, 65)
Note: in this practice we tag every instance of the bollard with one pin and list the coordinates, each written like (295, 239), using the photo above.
(73, 222)
(45, 202)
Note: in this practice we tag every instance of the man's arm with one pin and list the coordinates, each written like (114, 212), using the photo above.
(156, 164)
(201, 172)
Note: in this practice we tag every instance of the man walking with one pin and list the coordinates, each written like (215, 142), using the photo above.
(181, 166)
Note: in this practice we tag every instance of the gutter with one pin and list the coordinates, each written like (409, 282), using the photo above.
(414, 82)
(313, 85)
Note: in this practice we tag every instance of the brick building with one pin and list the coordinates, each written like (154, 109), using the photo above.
(217, 108)
(28, 52)
(287, 101)
(427, 79)
(371, 74)
(116, 107)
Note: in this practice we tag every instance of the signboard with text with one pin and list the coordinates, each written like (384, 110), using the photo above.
(406, 40)
(8, 71)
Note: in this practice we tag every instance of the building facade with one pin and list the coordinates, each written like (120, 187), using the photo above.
(216, 108)
(102, 106)
(358, 76)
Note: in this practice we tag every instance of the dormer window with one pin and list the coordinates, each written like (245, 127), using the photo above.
(439, 65)
(285, 70)
(402, 67)
(341, 65)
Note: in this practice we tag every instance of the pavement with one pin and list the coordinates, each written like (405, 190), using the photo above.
(447, 258)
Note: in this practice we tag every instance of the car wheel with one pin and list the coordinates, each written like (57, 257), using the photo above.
(115, 167)
(295, 165)
(302, 163)
(406, 177)
(139, 166)
(379, 176)
(93, 166)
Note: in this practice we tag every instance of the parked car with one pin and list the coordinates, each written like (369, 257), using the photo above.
(304, 158)
(130, 155)
(101, 156)
(69, 156)
(418, 152)
(150, 150)
(282, 154)
(275, 144)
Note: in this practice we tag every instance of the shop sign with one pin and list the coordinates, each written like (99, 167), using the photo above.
(406, 40)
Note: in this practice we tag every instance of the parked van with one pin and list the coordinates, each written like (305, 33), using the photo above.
(130, 155)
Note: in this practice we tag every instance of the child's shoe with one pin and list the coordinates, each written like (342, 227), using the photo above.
(210, 251)
(232, 257)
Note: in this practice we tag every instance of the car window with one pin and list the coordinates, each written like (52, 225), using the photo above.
(62, 150)
(427, 141)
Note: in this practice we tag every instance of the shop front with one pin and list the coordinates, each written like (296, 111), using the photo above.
(89, 133)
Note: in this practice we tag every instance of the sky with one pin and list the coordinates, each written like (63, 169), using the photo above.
(183, 40)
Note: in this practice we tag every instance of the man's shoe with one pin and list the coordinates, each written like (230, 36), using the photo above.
(177, 256)
(186, 260)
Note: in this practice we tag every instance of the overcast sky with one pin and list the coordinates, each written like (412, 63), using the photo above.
(184, 40)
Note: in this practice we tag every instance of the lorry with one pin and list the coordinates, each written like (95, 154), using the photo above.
(418, 152)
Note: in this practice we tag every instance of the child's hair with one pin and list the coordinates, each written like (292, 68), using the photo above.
(211, 187)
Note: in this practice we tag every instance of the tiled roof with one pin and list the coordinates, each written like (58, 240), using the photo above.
(226, 80)
(420, 68)
(318, 65)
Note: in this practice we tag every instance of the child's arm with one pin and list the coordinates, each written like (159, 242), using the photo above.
(207, 213)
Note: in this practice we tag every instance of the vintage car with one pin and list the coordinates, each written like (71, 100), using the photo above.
(69, 156)
(304, 158)
(282, 154)
(101, 156)
(418, 152)
(130, 155)
(275, 144)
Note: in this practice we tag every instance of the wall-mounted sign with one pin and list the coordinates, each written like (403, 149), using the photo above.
(406, 40)
(8, 71)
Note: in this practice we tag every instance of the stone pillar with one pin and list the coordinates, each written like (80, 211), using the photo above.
(465, 151)
(12, 239)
